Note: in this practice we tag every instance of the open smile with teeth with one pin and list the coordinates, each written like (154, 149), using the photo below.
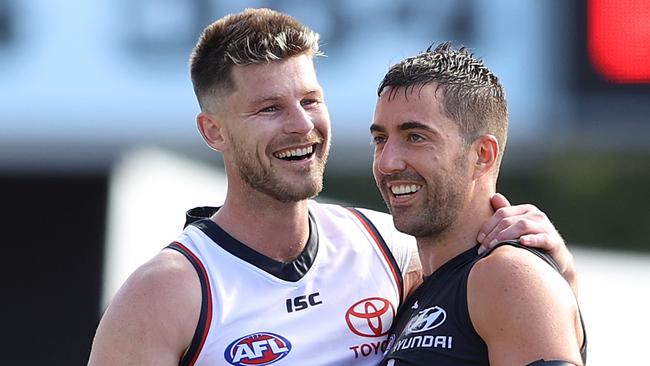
(295, 154)
(404, 189)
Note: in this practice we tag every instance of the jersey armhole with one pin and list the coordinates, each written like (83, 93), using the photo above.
(383, 248)
(205, 317)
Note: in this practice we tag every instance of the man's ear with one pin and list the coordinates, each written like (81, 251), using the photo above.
(486, 148)
(211, 128)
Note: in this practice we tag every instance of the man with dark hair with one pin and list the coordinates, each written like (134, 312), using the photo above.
(439, 129)
(272, 276)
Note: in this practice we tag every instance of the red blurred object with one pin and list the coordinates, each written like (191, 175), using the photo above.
(619, 39)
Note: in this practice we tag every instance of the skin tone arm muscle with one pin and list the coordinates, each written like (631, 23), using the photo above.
(153, 316)
(523, 309)
(412, 275)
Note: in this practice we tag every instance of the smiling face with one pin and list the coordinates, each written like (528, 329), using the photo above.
(421, 163)
(276, 129)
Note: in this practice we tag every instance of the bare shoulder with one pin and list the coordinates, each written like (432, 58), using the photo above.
(523, 308)
(165, 282)
(516, 265)
(513, 277)
(168, 270)
(152, 318)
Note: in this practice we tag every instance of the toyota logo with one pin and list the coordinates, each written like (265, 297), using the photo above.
(370, 317)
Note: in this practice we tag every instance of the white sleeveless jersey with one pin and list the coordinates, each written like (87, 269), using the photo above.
(333, 305)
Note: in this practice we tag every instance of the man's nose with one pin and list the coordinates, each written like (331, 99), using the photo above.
(390, 159)
(298, 121)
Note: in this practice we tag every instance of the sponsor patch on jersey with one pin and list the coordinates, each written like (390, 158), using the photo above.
(426, 319)
(262, 348)
(370, 317)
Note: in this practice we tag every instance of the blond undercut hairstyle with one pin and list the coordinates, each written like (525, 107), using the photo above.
(251, 37)
(471, 94)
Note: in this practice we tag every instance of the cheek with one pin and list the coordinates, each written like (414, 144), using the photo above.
(322, 124)
(379, 181)
(250, 145)
(375, 171)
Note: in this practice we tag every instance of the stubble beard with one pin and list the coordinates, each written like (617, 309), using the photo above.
(269, 181)
(439, 210)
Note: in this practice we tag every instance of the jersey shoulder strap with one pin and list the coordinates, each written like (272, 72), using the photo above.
(383, 247)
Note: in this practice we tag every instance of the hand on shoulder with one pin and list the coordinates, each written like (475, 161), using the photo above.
(532, 228)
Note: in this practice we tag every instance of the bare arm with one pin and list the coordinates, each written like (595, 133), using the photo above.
(412, 274)
(153, 316)
(532, 228)
(523, 309)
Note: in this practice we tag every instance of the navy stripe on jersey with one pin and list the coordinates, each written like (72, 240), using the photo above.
(205, 318)
(290, 271)
(388, 255)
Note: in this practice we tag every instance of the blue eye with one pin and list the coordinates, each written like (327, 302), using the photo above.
(415, 137)
(269, 109)
(310, 102)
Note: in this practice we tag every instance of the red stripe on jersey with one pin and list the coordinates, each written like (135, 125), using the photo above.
(208, 320)
(388, 257)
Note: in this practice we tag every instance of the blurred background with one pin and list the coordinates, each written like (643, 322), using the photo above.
(100, 157)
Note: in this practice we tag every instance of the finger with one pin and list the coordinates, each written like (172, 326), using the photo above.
(552, 244)
(540, 241)
(498, 201)
(514, 231)
(503, 224)
(556, 247)
(501, 214)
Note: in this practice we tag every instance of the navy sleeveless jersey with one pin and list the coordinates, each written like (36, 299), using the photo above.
(434, 328)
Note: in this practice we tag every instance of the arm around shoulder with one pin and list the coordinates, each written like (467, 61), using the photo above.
(523, 309)
(151, 320)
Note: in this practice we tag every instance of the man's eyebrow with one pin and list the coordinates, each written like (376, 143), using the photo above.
(265, 99)
(410, 125)
(376, 128)
(276, 97)
(413, 125)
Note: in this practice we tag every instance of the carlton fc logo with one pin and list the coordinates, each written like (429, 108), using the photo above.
(426, 319)
(370, 317)
(261, 348)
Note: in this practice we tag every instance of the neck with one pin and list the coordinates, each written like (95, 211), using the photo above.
(459, 237)
(278, 230)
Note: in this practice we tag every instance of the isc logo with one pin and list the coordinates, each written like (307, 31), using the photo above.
(303, 302)
(262, 348)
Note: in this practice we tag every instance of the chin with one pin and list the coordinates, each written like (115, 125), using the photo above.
(408, 227)
(296, 194)
(403, 224)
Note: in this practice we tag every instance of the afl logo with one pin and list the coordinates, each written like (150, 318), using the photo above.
(426, 319)
(262, 348)
(370, 317)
